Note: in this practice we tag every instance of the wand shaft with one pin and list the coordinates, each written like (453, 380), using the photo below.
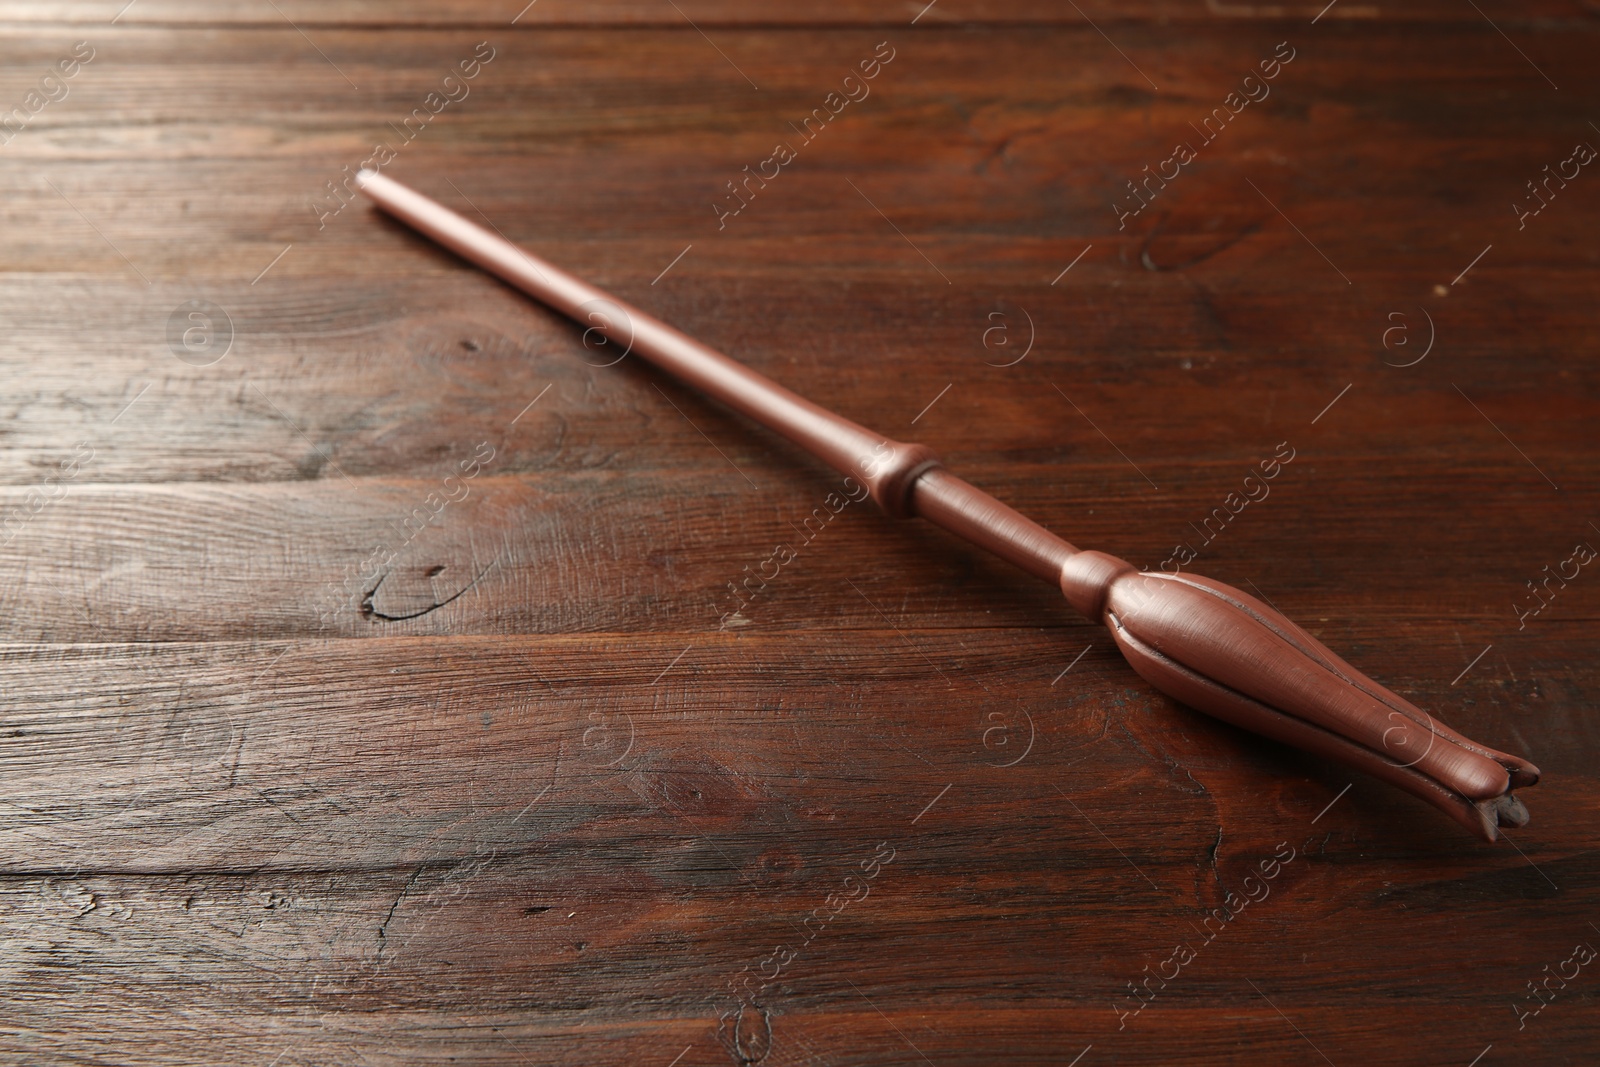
(905, 479)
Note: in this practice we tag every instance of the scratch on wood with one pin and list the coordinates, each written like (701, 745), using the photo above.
(383, 927)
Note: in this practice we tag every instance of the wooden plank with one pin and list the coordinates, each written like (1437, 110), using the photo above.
(725, 13)
(1041, 153)
(410, 380)
(543, 553)
(378, 755)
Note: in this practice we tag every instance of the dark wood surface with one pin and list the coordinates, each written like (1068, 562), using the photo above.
(510, 794)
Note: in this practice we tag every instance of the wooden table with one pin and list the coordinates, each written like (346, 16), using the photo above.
(374, 690)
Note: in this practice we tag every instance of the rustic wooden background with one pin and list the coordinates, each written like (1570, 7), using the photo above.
(507, 793)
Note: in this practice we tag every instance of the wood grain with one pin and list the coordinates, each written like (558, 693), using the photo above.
(297, 773)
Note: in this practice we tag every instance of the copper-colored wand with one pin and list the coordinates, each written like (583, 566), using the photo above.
(1201, 642)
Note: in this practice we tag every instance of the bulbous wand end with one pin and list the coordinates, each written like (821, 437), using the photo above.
(1226, 653)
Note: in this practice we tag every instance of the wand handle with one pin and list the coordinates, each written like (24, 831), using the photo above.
(1202, 642)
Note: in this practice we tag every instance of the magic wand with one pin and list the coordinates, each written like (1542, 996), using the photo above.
(1199, 641)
